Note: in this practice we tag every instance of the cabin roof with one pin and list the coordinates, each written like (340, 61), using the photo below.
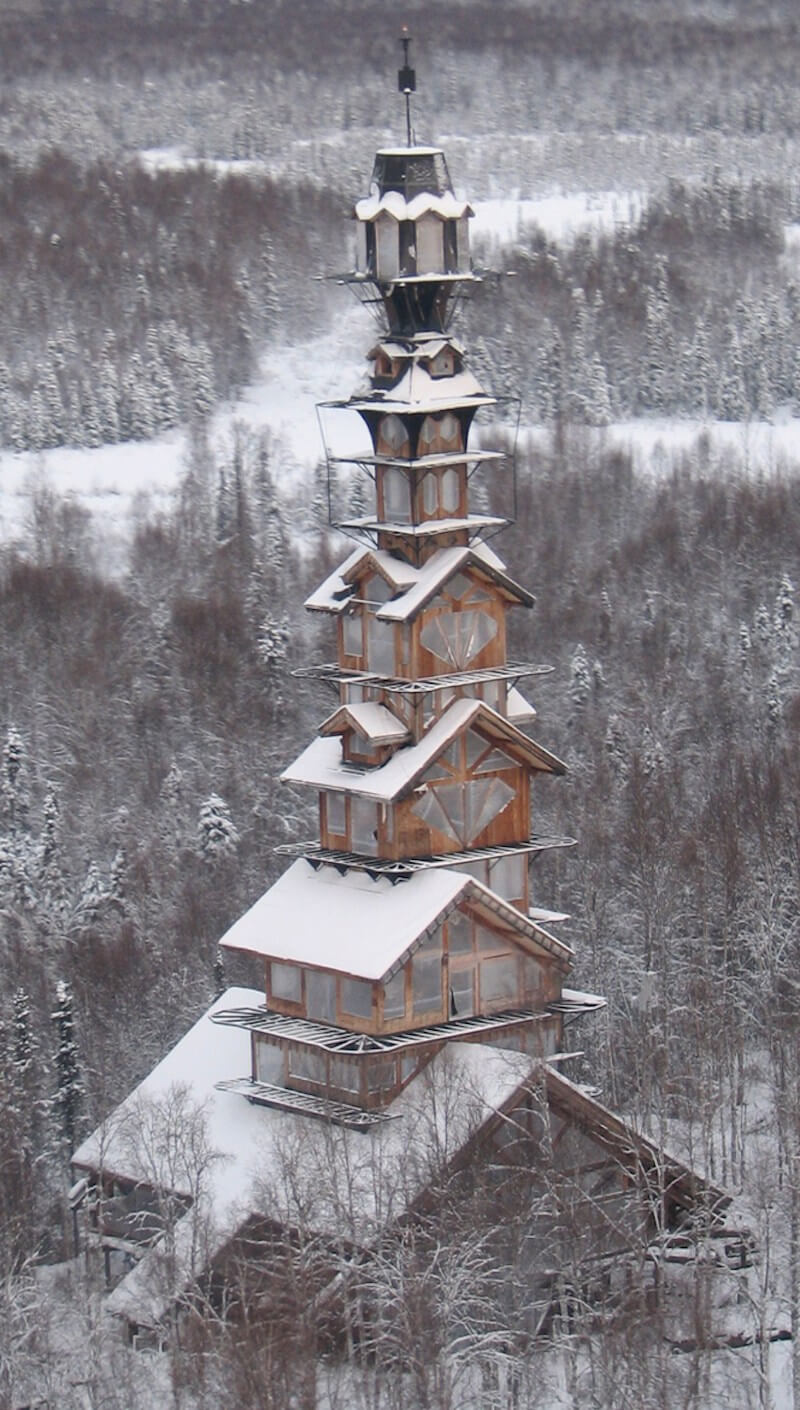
(373, 722)
(414, 587)
(321, 764)
(349, 923)
(262, 1150)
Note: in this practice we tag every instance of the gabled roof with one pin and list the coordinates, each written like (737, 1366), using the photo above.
(448, 207)
(384, 1168)
(422, 345)
(321, 765)
(414, 587)
(350, 924)
(371, 721)
(436, 573)
(417, 392)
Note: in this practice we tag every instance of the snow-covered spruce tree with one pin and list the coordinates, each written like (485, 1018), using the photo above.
(273, 642)
(93, 895)
(580, 687)
(69, 1088)
(216, 835)
(16, 797)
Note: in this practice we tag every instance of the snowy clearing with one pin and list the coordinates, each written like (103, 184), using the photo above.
(561, 217)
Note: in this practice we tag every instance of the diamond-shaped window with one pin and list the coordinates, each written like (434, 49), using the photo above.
(458, 637)
(462, 810)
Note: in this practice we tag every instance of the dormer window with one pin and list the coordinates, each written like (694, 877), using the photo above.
(443, 364)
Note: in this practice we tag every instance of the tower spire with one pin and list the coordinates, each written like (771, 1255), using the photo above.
(406, 80)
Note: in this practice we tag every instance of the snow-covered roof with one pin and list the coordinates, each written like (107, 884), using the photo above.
(373, 722)
(425, 345)
(344, 921)
(321, 765)
(417, 392)
(447, 207)
(414, 587)
(361, 1180)
(438, 570)
(348, 922)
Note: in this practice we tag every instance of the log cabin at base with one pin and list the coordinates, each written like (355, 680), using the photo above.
(474, 1106)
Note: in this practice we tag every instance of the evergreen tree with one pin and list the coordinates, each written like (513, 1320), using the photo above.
(732, 398)
(580, 687)
(50, 885)
(216, 835)
(108, 401)
(69, 1087)
(273, 642)
(15, 793)
(93, 895)
(598, 407)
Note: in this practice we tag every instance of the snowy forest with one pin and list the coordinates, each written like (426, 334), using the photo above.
(146, 713)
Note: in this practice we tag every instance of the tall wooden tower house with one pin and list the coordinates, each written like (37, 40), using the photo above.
(409, 923)
(406, 935)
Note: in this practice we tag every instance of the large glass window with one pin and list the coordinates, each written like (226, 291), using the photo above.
(439, 434)
(499, 983)
(286, 982)
(269, 1062)
(459, 933)
(352, 642)
(308, 1065)
(345, 1074)
(462, 991)
(357, 998)
(321, 996)
(396, 496)
(382, 1075)
(507, 876)
(380, 646)
(458, 637)
(336, 813)
(462, 810)
(532, 977)
(364, 825)
(426, 980)
(394, 995)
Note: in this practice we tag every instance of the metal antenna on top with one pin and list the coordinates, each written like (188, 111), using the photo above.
(407, 80)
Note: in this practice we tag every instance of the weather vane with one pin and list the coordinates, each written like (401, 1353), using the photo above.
(407, 80)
